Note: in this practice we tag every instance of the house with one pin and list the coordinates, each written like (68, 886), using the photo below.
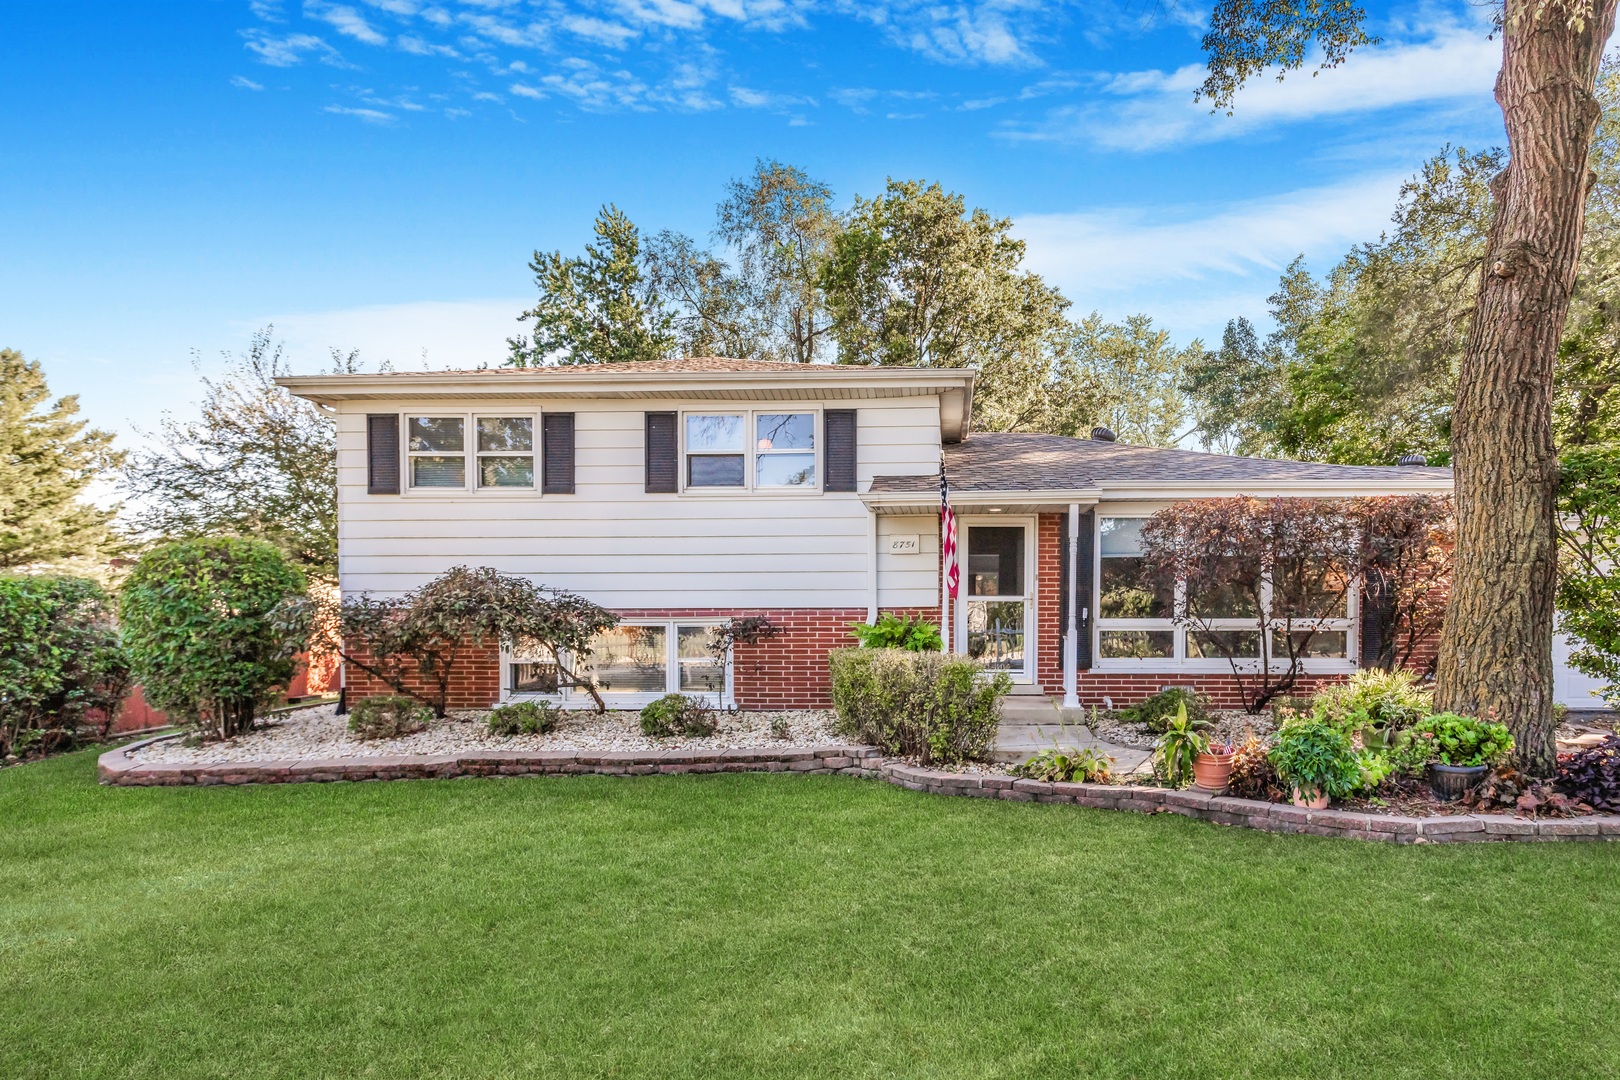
(680, 493)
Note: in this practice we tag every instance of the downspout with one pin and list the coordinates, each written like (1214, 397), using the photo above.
(1071, 637)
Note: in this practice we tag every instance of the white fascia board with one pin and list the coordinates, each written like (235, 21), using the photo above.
(1317, 489)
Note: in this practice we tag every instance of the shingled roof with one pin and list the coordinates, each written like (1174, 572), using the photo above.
(1007, 461)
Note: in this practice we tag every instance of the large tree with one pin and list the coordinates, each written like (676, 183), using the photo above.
(596, 308)
(258, 463)
(1496, 650)
(48, 460)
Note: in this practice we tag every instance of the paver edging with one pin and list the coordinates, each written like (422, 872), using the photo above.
(115, 768)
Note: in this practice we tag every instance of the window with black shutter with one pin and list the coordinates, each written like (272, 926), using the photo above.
(663, 454)
(557, 453)
(382, 454)
(839, 428)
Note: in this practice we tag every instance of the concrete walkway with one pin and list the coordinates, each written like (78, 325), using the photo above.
(1031, 723)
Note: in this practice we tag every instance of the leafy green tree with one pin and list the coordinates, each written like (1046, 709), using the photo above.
(782, 226)
(599, 308)
(1589, 548)
(62, 669)
(213, 627)
(711, 311)
(259, 463)
(48, 460)
(1136, 376)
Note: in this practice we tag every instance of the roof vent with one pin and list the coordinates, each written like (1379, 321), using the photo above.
(1102, 434)
(1409, 460)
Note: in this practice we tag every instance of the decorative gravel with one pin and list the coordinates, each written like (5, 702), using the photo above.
(1229, 725)
(320, 733)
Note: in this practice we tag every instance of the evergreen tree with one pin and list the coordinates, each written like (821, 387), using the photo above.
(47, 461)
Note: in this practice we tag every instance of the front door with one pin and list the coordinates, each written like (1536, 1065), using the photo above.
(994, 616)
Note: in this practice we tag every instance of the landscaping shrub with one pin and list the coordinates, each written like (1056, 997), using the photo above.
(1374, 702)
(1253, 774)
(388, 716)
(892, 631)
(212, 627)
(524, 718)
(923, 705)
(1057, 765)
(677, 714)
(63, 671)
(1462, 740)
(1157, 711)
(1593, 775)
(1312, 756)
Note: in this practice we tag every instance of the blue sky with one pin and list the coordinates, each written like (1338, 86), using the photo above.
(375, 174)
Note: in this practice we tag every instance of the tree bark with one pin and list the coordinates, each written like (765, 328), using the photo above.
(1496, 647)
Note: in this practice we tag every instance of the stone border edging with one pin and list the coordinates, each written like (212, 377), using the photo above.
(115, 768)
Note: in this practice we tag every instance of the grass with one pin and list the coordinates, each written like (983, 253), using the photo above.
(769, 926)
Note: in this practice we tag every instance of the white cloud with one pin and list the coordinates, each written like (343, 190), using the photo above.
(520, 90)
(451, 333)
(244, 83)
(290, 49)
(1188, 262)
(745, 98)
(370, 116)
(345, 20)
(600, 31)
(1144, 110)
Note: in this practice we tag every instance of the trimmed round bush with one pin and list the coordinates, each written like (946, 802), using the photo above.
(62, 670)
(1316, 758)
(524, 718)
(677, 714)
(1158, 711)
(922, 705)
(388, 716)
(212, 627)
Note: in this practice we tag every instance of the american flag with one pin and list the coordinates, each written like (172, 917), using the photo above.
(947, 516)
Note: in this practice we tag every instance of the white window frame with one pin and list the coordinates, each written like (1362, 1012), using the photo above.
(474, 453)
(751, 452)
(568, 697)
(469, 453)
(1182, 661)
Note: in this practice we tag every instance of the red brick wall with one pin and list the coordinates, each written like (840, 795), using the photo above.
(475, 681)
(1048, 597)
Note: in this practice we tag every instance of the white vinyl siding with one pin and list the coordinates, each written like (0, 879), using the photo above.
(623, 548)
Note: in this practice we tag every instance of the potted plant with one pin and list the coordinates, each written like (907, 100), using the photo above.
(1176, 753)
(1212, 768)
(1461, 751)
(1316, 762)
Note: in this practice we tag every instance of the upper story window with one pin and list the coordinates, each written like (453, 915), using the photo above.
(715, 453)
(505, 451)
(760, 450)
(437, 446)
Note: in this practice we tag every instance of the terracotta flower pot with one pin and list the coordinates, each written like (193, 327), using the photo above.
(1211, 771)
(1309, 800)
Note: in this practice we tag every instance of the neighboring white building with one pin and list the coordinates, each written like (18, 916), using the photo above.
(680, 493)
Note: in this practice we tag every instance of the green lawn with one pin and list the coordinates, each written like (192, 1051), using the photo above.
(770, 926)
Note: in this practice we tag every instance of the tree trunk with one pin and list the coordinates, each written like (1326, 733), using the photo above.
(1496, 647)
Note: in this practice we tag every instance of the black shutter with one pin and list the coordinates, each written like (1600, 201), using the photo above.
(1063, 583)
(839, 453)
(1086, 591)
(662, 454)
(557, 453)
(382, 454)
(1377, 612)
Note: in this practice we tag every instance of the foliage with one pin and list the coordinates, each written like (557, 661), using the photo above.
(677, 714)
(891, 631)
(1408, 554)
(387, 716)
(62, 668)
(413, 642)
(780, 729)
(1229, 554)
(922, 705)
(1156, 712)
(1592, 775)
(1313, 757)
(1134, 379)
(1176, 750)
(1066, 765)
(1253, 775)
(707, 308)
(782, 226)
(1589, 550)
(212, 626)
(48, 460)
(259, 463)
(599, 308)
(524, 718)
(1385, 701)
(1463, 740)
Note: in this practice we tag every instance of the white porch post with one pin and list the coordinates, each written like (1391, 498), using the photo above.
(871, 567)
(1071, 636)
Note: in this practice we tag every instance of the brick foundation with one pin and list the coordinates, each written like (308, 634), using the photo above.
(475, 681)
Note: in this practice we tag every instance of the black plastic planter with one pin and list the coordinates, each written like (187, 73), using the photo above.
(1451, 782)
